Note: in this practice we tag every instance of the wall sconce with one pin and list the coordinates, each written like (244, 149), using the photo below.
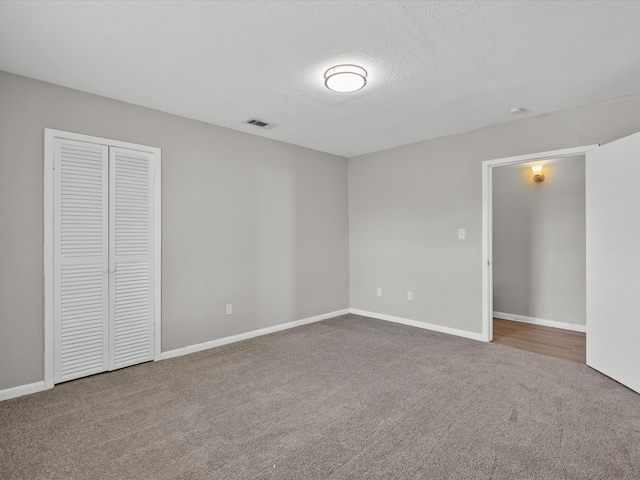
(537, 173)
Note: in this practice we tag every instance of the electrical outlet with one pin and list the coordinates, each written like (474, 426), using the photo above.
(379, 292)
(462, 234)
(229, 309)
(409, 295)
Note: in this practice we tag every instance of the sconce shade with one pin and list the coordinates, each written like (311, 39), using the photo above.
(537, 173)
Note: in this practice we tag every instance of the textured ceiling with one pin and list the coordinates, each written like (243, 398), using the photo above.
(435, 67)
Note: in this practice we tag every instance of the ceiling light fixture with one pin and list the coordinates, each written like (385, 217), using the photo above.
(517, 110)
(345, 78)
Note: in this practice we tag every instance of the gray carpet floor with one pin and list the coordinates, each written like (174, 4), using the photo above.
(346, 398)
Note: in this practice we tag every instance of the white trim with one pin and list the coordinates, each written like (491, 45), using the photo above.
(49, 360)
(245, 336)
(530, 157)
(81, 137)
(487, 249)
(42, 385)
(415, 323)
(49, 135)
(157, 245)
(487, 223)
(540, 321)
(21, 390)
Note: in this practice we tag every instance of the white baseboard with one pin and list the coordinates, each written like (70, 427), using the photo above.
(424, 325)
(540, 321)
(245, 336)
(21, 390)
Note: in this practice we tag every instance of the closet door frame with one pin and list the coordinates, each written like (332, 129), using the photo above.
(49, 285)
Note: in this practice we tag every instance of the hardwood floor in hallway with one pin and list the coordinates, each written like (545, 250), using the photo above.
(555, 342)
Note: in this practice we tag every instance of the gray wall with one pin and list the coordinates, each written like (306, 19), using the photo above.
(267, 226)
(539, 256)
(245, 220)
(406, 204)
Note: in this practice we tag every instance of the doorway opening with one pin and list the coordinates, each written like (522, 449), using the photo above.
(539, 257)
(521, 275)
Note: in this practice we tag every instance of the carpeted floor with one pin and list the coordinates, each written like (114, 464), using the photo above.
(346, 398)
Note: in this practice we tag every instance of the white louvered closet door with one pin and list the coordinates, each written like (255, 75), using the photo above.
(103, 229)
(131, 259)
(80, 259)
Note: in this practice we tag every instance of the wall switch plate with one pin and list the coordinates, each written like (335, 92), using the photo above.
(409, 295)
(462, 234)
(229, 309)
(379, 292)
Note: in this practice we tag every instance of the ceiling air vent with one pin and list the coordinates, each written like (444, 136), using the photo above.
(261, 123)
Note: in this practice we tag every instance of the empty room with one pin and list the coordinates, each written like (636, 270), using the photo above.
(303, 239)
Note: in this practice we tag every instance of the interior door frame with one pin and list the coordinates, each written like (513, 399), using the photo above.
(487, 222)
(49, 312)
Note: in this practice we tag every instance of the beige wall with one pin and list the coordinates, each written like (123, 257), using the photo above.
(407, 203)
(539, 248)
(245, 220)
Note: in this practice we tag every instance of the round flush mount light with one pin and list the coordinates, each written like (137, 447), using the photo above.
(345, 78)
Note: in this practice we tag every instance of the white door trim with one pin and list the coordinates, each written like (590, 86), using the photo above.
(487, 223)
(49, 135)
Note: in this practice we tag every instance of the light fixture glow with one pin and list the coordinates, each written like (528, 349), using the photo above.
(537, 173)
(345, 78)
